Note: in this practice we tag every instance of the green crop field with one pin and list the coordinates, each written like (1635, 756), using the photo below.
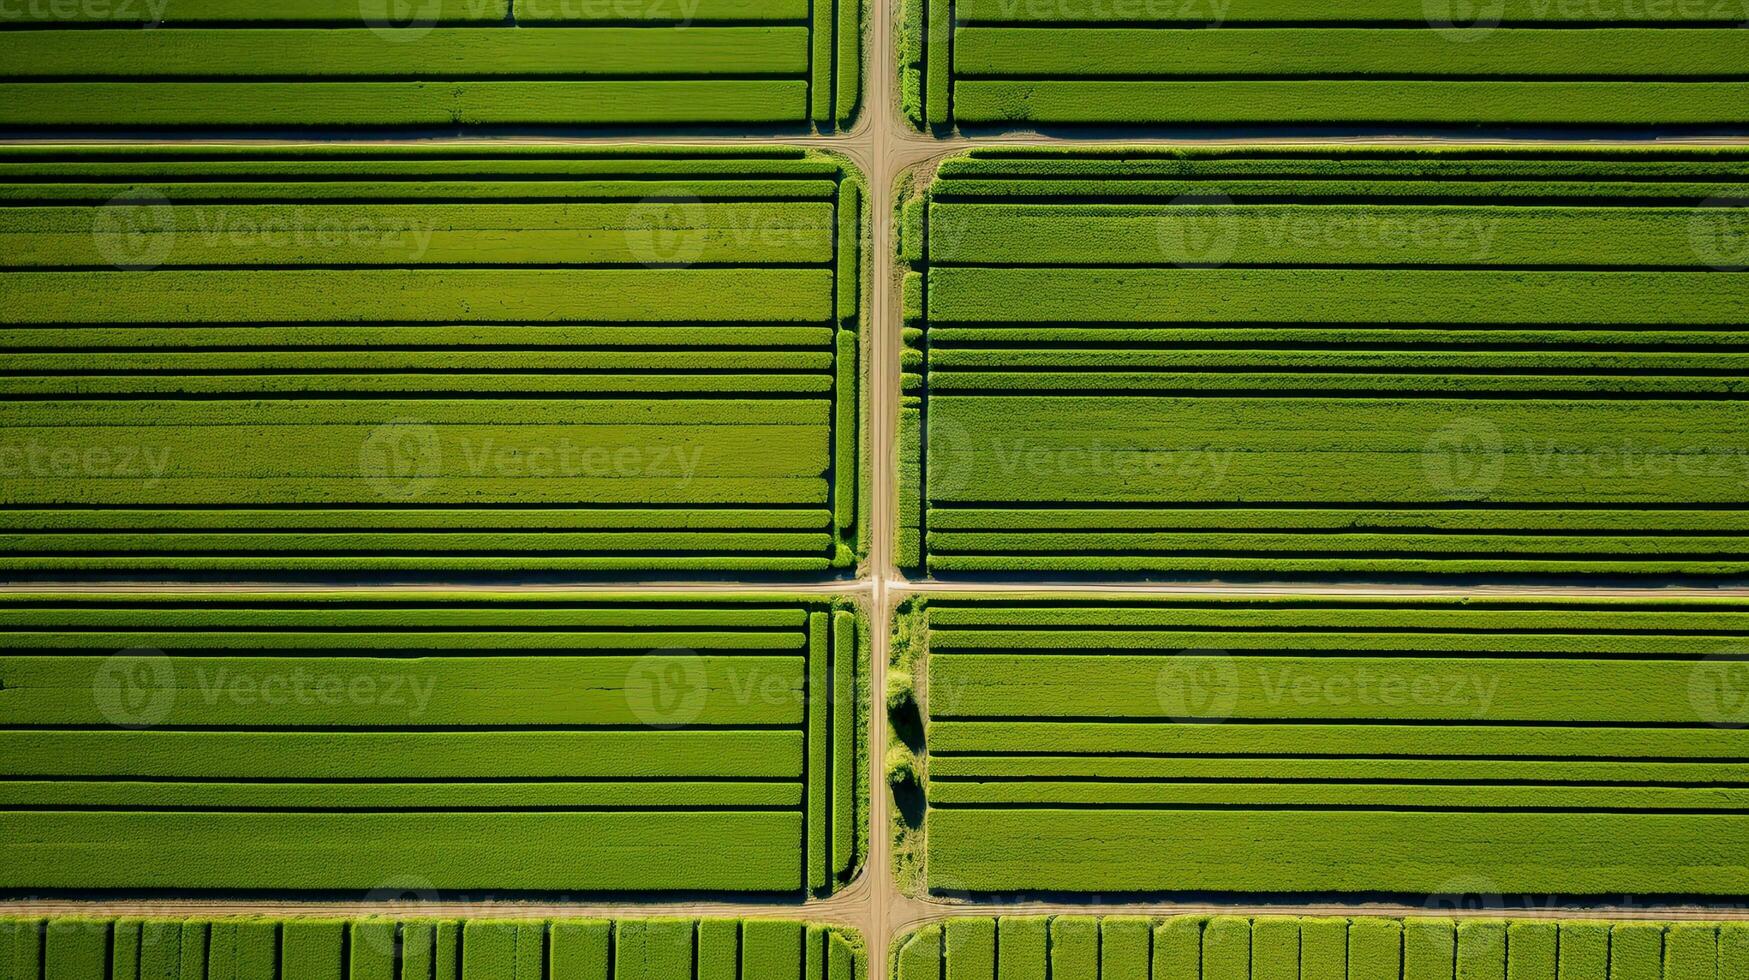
(1313, 745)
(384, 65)
(1371, 64)
(427, 949)
(366, 359)
(1084, 947)
(508, 742)
(1317, 362)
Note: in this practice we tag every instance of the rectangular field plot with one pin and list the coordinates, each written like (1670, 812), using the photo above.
(528, 742)
(1287, 745)
(436, 65)
(1124, 363)
(361, 359)
(428, 949)
(1076, 947)
(1055, 64)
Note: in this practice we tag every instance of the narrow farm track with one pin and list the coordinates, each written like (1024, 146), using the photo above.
(883, 147)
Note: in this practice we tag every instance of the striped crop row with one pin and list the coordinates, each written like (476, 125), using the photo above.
(983, 64)
(526, 742)
(1079, 947)
(1309, 362)
(368, 360)
(333, 65)
(427, 949)
(1310, 745)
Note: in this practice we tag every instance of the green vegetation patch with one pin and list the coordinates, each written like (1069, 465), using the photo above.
(1408, 746)
(1084, 63)
(1228, 947)
(320, 64)
(603, 361)
(429, 742)
(414, 948)
(1132, 363)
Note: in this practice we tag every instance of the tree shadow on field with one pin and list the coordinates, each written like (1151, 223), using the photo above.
(906, 719)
